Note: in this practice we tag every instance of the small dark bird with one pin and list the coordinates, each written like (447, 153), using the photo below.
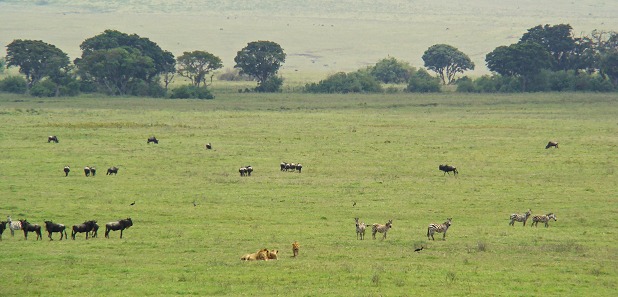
(354, 204)
(418, 250)
(194, 204)
(133, 203)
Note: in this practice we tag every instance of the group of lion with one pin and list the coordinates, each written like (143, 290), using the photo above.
(266, 254)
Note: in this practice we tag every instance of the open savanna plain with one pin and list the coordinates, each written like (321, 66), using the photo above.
(380, 152)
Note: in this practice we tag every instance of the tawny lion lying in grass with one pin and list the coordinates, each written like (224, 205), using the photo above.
(263, 254)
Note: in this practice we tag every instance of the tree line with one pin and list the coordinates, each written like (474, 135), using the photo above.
(546, 58)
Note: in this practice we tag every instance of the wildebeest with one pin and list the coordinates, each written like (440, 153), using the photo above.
(52, 227)
(95, 229)
(249, 170)
(13, 225)
(242, 171)
(112, 170)
(375, 228)
(87, 226)
(67, 169)
(283, 166)
(152, 139)
(52, 138)
(551, 143)
(87, 171)
(208, 146)
(448, 168)
(27, 227)
(299, 167)
(93, 171)
(2, 227)
(119, 225)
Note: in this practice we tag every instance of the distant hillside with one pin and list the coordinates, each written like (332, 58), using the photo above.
(318, 36)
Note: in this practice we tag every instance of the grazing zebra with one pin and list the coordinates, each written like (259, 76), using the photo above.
(360, 229)
(375, 228)
(543, 218)
(52, 138)
(551, 143)
(440, 228)
(520, 218)
(67, 169)
(13, 225)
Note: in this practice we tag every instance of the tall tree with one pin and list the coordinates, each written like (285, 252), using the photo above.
(446, 61)
(36, 59)
(522, 60)
(196, 65)
(260, 60)
(558, 41)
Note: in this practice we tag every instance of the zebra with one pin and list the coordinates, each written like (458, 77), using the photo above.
(440, 228)
(375, 228)
(13, 225)
(543, 218)
(360, 229)
(520, 218)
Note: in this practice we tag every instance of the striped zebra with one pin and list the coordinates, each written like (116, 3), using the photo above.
(520, 218)
(360, 229)
(13, 225)
(440, 228)
(543, 218)
(375, 228)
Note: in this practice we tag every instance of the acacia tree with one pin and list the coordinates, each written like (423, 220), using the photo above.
(522, 60)
(196, 65)
(261, 60)
(446, 61)
(36, 59)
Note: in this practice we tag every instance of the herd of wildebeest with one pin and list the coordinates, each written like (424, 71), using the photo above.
(91, 227)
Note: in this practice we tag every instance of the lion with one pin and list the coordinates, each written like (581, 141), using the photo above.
(272, 254)
(259, 255)
(295, 248)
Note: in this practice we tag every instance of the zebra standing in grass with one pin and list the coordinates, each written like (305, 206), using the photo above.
(360, 229)
(13, 225)
(375, 228)
(440, 228)
(520, 218)
(543, 218)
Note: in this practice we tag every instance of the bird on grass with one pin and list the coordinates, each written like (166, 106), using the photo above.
(133, 203)
(418, 250)
(194, 204)
(354, 204)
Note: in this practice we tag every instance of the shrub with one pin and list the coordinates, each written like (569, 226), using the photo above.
(465, 85)
(354, 82)
(389, 70)
(14, 84)
(145, 89)
(45, 88)
(271, 85)
(191, 92)
(423, 82)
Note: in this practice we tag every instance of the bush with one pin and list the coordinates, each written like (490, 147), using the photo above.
(14, 84)
(45, 88)
(389, 70)
(465, 85)
(354, 82)
(423, 82)
(271, 85)
(191, 92)
(145, 89)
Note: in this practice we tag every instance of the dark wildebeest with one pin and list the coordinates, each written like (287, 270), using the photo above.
(93, 171)
(87, 171)
(152, 139)
(52, 138)
(119, 225)
(551, 143)
(283, 166)
(208, 146)
(112, 170)
(2, 227)
(242, 171)
(27, 227)
(299, 167)
(87, 226)
(249, 170)
(67, 169)
(95, 229)
(52, 227)
(448, 168)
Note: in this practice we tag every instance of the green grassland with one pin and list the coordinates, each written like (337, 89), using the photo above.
(381, 151)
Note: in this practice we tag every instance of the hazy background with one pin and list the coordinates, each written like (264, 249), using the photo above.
(318, 36)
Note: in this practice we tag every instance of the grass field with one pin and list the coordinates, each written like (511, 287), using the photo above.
(381, 151)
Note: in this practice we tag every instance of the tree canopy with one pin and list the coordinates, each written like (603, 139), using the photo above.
(36, 59)
(389, 70)
(196, 65)
(260, 60)
(446, 61)
(520, 59)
